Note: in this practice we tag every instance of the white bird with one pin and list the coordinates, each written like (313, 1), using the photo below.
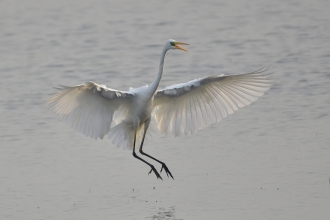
(179, 109)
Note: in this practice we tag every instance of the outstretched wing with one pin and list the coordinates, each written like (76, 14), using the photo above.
(187, 107)
(89, 108)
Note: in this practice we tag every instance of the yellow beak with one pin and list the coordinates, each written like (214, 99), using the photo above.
(180, 48)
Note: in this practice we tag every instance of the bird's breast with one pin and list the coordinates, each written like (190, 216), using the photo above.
(142, 107)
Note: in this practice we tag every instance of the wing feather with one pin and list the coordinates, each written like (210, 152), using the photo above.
(185, 108)
(88, 108)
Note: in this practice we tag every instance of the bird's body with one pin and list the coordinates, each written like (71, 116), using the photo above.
(96, 110)
(143, 104)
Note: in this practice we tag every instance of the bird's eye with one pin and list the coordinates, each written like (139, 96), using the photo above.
(172, 43)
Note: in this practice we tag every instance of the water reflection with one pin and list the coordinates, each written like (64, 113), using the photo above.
(165, 214)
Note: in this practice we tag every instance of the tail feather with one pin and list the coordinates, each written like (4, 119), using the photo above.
(122, 135)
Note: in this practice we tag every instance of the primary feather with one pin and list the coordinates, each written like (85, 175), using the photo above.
(188, 107)
(89, 108)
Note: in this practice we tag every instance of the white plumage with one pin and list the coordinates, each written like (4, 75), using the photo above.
(180, 109)
(188, 107)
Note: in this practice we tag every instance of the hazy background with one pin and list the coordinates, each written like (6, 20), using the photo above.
(270, 160)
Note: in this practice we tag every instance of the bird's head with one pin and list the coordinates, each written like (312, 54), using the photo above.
(173, 44)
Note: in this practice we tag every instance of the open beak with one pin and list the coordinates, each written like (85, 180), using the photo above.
(180, 48)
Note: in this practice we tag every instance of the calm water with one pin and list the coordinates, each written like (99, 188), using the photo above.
(270, 160)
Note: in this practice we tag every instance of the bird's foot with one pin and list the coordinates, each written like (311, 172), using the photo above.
(156, 172)
(166, 170)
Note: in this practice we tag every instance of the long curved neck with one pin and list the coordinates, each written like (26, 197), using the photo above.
(154, 85)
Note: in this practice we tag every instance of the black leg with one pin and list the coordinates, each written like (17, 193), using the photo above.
(151, 166)
(141, 151)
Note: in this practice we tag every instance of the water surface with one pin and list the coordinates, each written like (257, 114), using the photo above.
(269, 160)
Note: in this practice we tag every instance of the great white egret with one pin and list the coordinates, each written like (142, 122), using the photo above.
(184, 108)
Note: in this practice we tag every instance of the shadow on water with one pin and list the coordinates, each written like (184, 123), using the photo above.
(163, 214)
